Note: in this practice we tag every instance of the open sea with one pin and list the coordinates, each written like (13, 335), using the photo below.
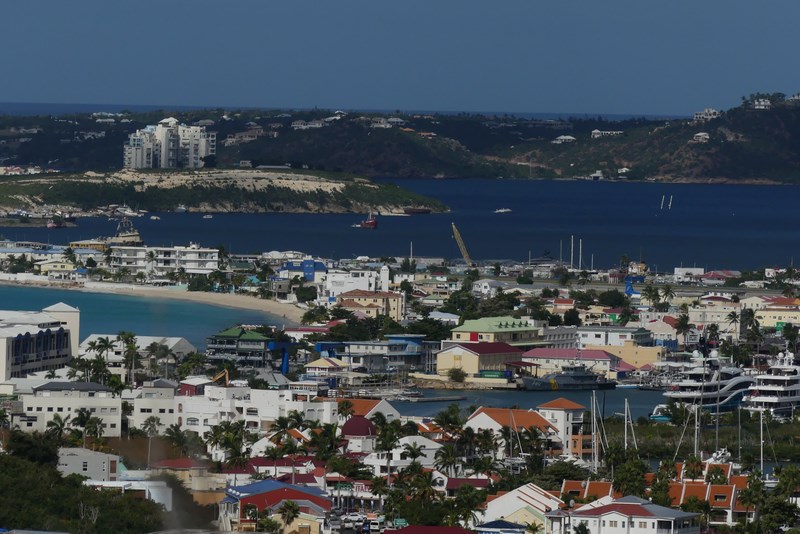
(711, 226)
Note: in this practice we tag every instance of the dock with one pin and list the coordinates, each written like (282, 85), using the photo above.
(450, 398)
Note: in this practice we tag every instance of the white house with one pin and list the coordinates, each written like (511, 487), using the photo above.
(524, 505)
(88, 463)
(398, 459)
(627, 515)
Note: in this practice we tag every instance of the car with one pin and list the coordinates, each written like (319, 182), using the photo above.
(353, 520)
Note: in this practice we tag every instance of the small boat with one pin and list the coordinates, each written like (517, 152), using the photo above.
(208, 216)
(503, 210)
(155, 218)
(181, 208)
(370, 223)
(571, 377)
(54, 224)
(660, 414)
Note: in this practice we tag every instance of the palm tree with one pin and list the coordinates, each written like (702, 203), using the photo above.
(652, 294)
(104, 345)
(51, 374)
(447, 460)
(413, 450)
(733, 320)
(386, 443)
(683, 327)
(57, 426)
(423, 490)
(94, 428)
(346, 409)
(289, 511)
(81, 419)
(150, 427)
(178, 438)
(667, 293)
(4, 422)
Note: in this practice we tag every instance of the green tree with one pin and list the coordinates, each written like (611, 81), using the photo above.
(150, 427)
(456, 374)
(572, 318)
(289, 512)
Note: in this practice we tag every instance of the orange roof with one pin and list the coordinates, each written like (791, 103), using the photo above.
(697, 490)
(573, 487)
(720, 496)
(361, 293)
(740, 481)
(675, 492)
(361, 407)
(600, 488)
(561, 404)
(518, 419)
(649, 478)
(726, 469)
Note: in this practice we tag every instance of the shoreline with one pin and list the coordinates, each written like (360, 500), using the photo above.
(289, 312)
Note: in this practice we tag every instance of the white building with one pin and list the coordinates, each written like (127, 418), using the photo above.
(169, 145)
(37, 341)
(177, 348)
(338, 281)
(88, 463)
(597, 134)
(161, 261)
(614, 336)
(524, 505)
(628, 515)
(154, 399)
(398, 459)
(706, 115)
(66, 399)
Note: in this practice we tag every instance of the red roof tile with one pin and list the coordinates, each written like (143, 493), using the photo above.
(561, 404)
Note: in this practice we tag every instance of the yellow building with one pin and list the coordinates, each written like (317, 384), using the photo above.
(373, 303)
(633, 353)
(777, 317)
(55, 268)
(473, 358)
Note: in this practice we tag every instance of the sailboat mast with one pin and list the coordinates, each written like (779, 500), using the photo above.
(626, 425)
(761, 438)
(663, 197)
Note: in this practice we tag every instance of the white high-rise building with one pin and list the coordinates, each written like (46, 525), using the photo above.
(169, 145)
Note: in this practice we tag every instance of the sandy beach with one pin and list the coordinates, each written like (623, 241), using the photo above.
(290, 312)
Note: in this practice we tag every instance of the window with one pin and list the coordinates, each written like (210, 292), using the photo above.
(85, 466)
(162, 410)
(612, 524)
(38, 408)
(719, 498)
(642, 524)
(192, 421)
(49, 408)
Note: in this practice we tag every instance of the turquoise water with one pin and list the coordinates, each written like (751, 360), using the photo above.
(145, 316)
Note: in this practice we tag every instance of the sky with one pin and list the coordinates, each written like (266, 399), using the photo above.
(525, 56)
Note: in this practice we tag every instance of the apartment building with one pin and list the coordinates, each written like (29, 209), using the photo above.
(66, 399)
(169, 145)
(162, 261)
(37, 341)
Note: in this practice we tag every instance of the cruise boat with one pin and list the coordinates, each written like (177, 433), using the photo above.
(710, 383)
(571, 377)
(778, 390)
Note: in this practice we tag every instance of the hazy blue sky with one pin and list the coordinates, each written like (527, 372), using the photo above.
(612, 56)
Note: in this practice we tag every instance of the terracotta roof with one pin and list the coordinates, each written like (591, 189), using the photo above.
(698, 490)
(455, 483)
(350, 303)
(561, 404)
(740, 481)
(672, 321)
(721, 496)
(518, 419)
(361, 407)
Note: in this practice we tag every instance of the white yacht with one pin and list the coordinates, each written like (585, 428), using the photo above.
(711, 383)
(778, 390)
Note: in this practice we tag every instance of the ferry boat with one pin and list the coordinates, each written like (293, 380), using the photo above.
(571, 377)
(710, 384)
(778, 390)
(503, 210)
(370, 223)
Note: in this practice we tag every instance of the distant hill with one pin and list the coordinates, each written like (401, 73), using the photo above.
(742, 144)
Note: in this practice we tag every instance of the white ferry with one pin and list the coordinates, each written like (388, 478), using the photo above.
(778, 390)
